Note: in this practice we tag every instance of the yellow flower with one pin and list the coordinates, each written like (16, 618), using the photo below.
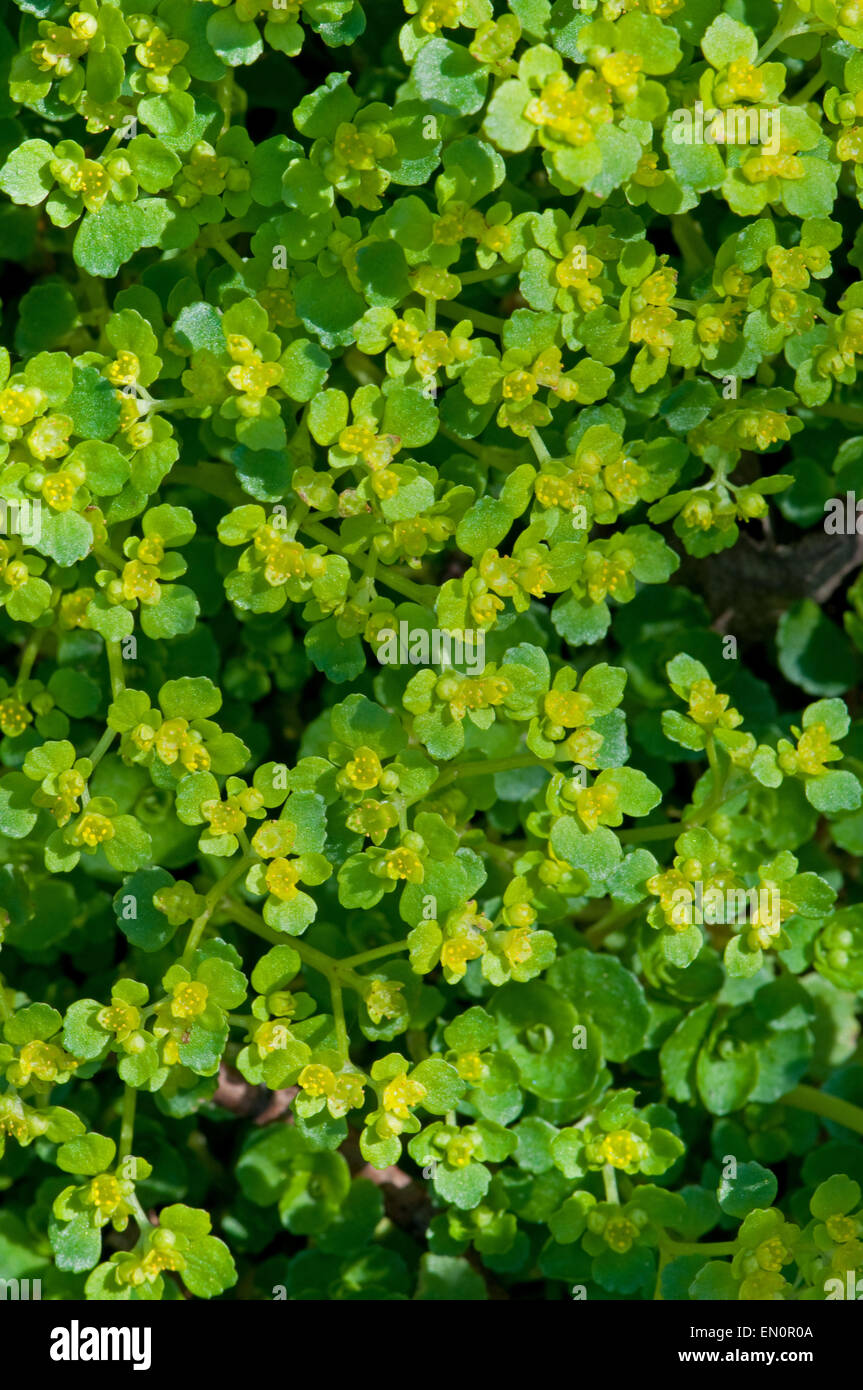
(317, 1080)
(347, 1094)
(224, 817)
(362, 438)
(124, 370)
(596, 802)
(119, 1018)
(104, 1193)
(272, 1036)
(744, 80)
(384, 1000)
(648, 174)
(404, 863)
(189, 999)
(619, 1234)
(622, 1149)
(841, 1228)
(814, 749)
(59, 490)
(470, 1067)
(519, 386)
(709, 709)
(139, 581)
(401, 1093)
(571, 110)
(439, 14)
(785, 165)
(567, 708)
(274, 837)
(14, 717)
(460, 1151)
(621, 70)
(517, 946)
(42, 1060)
(772, 1255)
(255, 377)
(364, 771)
(653, 327)
(456, 953)
(282, 877)
(18, 405)
(49, 437)
(93, 829)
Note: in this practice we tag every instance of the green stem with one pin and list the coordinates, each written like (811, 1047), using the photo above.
(206, 477)
(609, 1182)
(852, 414)
(297, 517)
(113, 141)
(458, 312)
(209, 477)
(225, 98)
(784, 30)
(104, 552)
(339, 1020)
(328, 966)
(476, 277)
(362, 367)
(219, 888)
(115, 669)
(127, 1126)
(489, 766)
(539, 448)
(144, 1223)
(234, 259)
(581, 208)
(713, 762)
(663, 1261)
(170, 403)
(28, 657)
(503, 459)
(690, 239)
(423, 594)
(101, 748)
(617, 917)
(841, 1112)
(693, 1247)
(376, 954)
(810, 89)
(650, 832)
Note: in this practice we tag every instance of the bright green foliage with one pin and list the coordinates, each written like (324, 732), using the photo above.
(429, 630)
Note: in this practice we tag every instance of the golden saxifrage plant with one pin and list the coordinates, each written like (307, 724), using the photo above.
(430, 630)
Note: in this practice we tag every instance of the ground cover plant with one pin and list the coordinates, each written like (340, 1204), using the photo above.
(431, 765)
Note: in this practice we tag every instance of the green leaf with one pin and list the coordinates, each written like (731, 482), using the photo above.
(449, 1278)
(236, 41)
(108, 238)
(753, 1186)
(329, 307)
(813, 653)
(606, 991)
(90, 1154)
(77, 1244)
(448, 79)
(138, 918)
(26, 176)
(728, 40)
(208, 1268)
